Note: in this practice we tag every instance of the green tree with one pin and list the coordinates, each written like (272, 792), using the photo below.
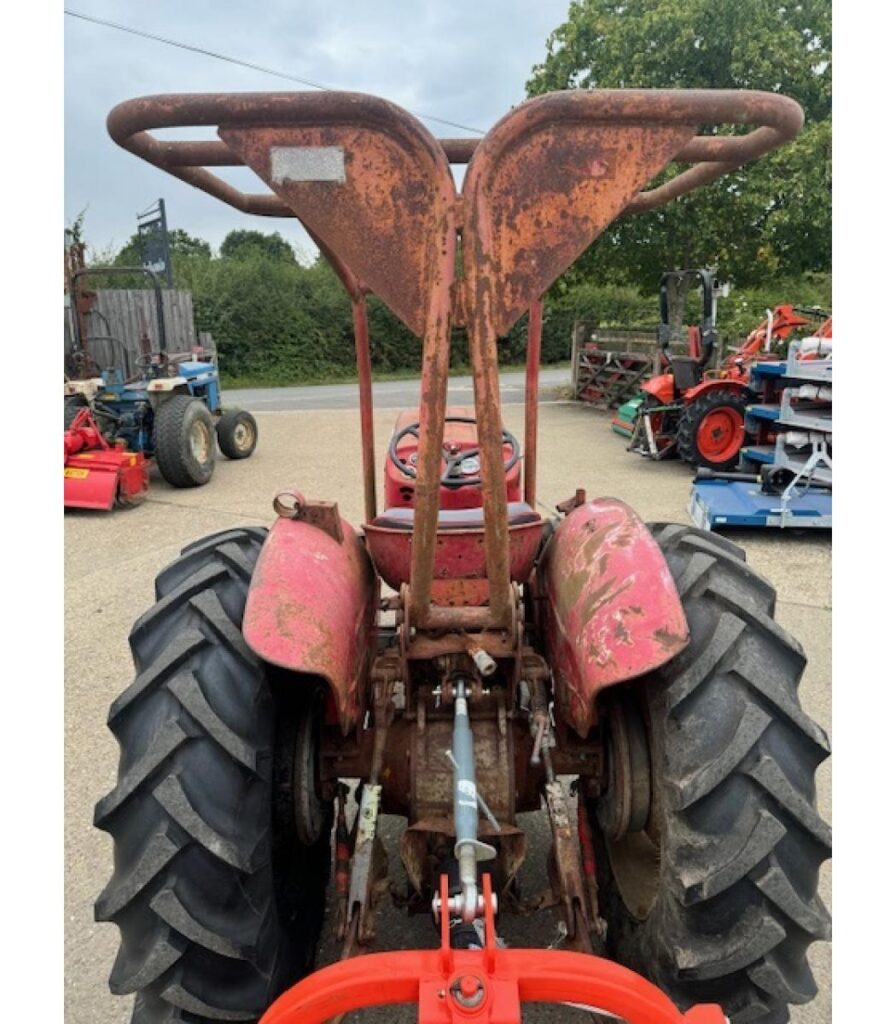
(74, 232)
(179, 242)
(769, 218)
(244, 244)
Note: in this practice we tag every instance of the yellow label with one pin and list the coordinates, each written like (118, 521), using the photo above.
(77, 474)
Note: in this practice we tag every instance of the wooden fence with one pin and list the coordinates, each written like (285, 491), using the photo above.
(123, 323)
(609, 363)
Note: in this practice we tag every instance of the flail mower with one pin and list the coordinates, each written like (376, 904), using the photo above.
(97, 473)
(695, 412)
(460, 654)
(165, 407)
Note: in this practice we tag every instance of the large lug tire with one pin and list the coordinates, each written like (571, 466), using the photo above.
(73, 405)
(218, 902)
(715, 899)
(237, 434)
(711, 430)
(184, 439)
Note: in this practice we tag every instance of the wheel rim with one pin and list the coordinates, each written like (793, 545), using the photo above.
(243, 436)
(626, 811)
(310, 810)
(720, 434)
(200, 442)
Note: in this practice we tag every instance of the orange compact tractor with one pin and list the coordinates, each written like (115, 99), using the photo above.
(459, 656)
(692, 411)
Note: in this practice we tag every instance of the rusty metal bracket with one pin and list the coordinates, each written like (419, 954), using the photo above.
(368, 881)
(290, 504)
(567, 875)
(359, 929)
(570, 504)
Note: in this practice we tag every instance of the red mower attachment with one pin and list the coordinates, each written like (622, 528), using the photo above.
(480, 986)
(98, 474)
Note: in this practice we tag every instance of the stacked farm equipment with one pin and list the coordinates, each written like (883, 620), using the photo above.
(785, 474)
(509, 651)
(692, 410)
(159, 406)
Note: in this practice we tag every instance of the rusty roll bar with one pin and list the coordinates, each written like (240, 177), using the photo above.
(778, 120)
(219, 154)
(375, 190)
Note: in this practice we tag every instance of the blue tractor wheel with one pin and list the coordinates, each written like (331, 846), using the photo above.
(237, 434)
(184, 440)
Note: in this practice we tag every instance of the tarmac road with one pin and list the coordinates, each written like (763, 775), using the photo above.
(391, 394)
(111, 560)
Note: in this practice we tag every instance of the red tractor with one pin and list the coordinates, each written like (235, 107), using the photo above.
(695, 412)
(461, 654)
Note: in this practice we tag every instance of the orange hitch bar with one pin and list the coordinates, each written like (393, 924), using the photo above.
(486, 986)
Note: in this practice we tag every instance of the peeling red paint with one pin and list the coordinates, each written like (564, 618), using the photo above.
(312, 606)
(613, 611)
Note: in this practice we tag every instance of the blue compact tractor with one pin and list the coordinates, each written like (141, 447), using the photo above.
(166, 406)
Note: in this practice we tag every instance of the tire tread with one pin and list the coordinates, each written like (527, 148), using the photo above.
(738, 905)
(190, 814)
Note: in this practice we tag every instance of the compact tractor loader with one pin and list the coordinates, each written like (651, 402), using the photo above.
(158, 405)
(690, 409)
(460, 654)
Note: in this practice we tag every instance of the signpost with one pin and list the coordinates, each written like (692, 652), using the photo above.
(152, 231)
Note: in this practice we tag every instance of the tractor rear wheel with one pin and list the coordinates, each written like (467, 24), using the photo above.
(184, 439)
(217, 893)
(711, 430)
(237, 434)
(712, 841)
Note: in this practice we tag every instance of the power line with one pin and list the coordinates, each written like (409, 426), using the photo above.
(246, 64)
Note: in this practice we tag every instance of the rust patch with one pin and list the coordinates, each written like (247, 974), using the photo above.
(668, 640)
(605, 594)
(620, 632)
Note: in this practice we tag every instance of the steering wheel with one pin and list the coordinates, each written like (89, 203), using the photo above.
(159, 361)
(450, 477)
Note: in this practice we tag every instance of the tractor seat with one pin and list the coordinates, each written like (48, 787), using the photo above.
(518, 512)
(685, 372)
(460, 564)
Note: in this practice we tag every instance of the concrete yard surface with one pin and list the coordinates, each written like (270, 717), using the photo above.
(111, 560)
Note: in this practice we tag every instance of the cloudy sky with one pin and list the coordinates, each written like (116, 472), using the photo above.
(463, 60)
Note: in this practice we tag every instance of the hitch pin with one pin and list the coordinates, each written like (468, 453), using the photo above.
(485, 664)
(542, 720)
(483, 806)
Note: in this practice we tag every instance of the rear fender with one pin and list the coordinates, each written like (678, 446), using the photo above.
(312, 609)
(719, 384)
(610, 608)
(662, 387)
